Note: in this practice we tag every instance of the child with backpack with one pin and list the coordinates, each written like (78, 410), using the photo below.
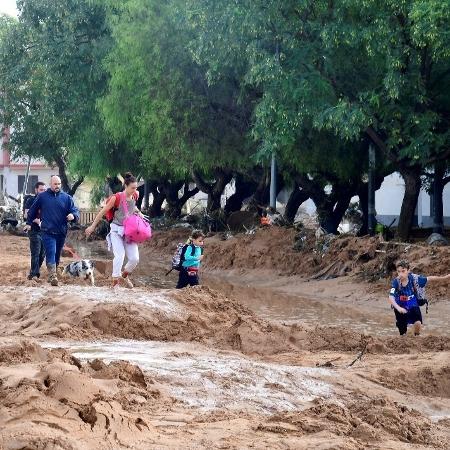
(190, 259)
(407, 295)
(118, 209)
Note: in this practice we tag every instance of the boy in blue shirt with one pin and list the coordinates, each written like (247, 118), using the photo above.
(403, 297)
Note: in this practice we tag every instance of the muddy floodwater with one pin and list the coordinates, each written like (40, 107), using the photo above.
(200, 377)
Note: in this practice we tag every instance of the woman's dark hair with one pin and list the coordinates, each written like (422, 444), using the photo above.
(129, 178)
(403, 264)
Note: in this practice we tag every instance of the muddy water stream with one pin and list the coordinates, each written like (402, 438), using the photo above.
(203, 378)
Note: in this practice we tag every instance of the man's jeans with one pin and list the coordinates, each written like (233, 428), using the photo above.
(53, 244)
(37, 252)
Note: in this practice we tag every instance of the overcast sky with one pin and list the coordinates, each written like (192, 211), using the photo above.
(8, 7)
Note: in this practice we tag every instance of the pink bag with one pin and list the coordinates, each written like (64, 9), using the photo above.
(135, 228)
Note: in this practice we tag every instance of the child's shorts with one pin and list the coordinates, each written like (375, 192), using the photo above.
(403, 320)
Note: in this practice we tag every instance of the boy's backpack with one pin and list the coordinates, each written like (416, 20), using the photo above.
(419, 292)
(178, 256)
(109, 215)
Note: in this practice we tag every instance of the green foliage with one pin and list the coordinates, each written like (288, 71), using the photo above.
(51, 77)
(159, 100)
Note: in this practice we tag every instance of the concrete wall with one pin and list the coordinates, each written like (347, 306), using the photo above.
(11, 177)
(388, 202)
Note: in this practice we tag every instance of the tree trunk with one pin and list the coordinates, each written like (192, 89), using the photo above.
(411, 176)
(364, 208)
(146, 197)
(297, 197)
(114, 184)
(341, 208)
(174, 202)
(214, 189)
(363, 200)
(215, 196)
(438, 205)
(155, 209)
(173, 209)
(244, 188)
(62, 173)
(261, 197)
(330, 207)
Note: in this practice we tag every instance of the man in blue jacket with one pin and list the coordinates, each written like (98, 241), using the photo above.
(56, 210)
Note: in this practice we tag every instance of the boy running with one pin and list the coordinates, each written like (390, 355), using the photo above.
(403, 297)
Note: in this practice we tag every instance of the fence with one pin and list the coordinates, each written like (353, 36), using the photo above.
(87, 216)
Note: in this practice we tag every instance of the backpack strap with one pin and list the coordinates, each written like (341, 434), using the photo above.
(117, 200)
(412, 279)
(123, 201)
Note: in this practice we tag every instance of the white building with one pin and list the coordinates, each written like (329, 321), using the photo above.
(13, 173)
(388, 201)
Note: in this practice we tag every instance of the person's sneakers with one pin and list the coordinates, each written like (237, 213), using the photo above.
(52, 277)
(34, 277)
(127, 281)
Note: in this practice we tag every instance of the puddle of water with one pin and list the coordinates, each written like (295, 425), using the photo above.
(205, 379)
(289, 309)
(23, 293)
(154, 281)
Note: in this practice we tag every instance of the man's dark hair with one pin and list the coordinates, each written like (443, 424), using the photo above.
(39, 183)
(403, 264)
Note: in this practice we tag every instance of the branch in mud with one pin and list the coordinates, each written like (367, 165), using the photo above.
(359, 356)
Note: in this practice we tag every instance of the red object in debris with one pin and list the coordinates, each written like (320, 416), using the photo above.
(265, 221)
(69, 252)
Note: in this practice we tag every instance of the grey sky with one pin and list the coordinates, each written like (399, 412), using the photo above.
(8, 7)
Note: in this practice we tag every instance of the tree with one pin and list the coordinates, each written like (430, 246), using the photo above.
(356, 69)
(51, 76)
(160, 102)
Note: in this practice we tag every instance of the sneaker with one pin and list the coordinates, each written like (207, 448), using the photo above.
(53, 279)
(127, 281)
(115, 283)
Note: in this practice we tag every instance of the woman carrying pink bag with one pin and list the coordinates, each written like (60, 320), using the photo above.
(127, 230)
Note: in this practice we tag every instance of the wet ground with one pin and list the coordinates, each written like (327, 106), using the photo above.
(203, 378)
(214, 375)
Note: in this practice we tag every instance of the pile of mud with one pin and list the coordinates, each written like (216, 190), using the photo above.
(193, 315)
(197, 314)
(428, 381)
(362, 419)
(277, 249)
(49, 398)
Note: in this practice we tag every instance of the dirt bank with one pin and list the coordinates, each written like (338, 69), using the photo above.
(86, 368)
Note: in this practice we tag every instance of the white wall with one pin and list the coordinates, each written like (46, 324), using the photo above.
(388, 199)
(11, 178)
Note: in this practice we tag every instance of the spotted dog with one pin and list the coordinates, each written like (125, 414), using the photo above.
(83, 268)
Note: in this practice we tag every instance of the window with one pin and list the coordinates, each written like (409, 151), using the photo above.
(32, 180)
